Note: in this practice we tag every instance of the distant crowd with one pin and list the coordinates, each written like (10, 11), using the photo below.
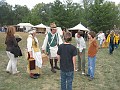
(109, 39)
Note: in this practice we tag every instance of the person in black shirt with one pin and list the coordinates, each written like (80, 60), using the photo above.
(67, 55)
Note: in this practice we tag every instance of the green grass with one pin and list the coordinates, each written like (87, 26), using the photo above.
(107, 74)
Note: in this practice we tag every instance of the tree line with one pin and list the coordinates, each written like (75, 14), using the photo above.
(97, 15)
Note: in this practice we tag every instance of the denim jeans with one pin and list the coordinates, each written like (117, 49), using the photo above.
(66, 80)
(116, 45)
(91, 66)
(111, 48)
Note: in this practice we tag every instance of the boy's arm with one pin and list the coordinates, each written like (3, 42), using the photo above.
(74, 62)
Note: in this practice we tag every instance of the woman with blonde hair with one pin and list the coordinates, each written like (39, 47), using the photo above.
(11, 43)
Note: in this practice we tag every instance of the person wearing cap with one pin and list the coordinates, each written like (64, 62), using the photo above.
(34, 52)
(50, 44)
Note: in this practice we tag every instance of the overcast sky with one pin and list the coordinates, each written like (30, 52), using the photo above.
(31, 3)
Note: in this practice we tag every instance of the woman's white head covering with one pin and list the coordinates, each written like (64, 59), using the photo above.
(32, 30)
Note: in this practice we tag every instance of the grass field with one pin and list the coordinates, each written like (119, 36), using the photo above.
(107, 74)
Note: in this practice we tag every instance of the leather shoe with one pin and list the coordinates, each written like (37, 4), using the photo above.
(56, 67)
(53, 70)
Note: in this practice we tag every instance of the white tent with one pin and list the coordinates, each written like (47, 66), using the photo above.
(27, 26)
(79, 27)
(40, 26)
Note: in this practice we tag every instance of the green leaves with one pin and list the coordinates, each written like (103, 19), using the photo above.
(103, 16)
(95, 14)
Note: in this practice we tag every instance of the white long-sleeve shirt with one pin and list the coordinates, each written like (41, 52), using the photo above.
(101, 36)
(29, 42)
(36, 55)
(46, 41)
(80, 43)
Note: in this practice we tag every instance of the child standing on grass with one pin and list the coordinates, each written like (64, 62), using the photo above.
(92, 51)
(67, 55)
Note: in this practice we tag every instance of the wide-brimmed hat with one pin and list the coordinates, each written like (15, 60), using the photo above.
(53, 25)
(32, 30)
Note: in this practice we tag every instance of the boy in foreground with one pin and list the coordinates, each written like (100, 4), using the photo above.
(67, 56)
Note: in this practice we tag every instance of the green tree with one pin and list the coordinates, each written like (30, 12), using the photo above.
(58, 13)
(21, 14)
(46, 14)
(85, 11)
(103, 16)
(36, 14)
(66, 15)
(118, 19)
(6, 15)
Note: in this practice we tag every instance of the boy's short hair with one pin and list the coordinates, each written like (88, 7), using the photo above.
(92, 33)
(68, 37)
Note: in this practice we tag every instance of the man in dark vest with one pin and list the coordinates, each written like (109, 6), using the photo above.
(50, 44)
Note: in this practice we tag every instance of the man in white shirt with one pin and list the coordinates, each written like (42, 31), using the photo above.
(81, 45)
(101, 38)
(50, 45)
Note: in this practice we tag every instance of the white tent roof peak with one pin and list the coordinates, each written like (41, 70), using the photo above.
(25, 24)
(40, 26)
(79, 27)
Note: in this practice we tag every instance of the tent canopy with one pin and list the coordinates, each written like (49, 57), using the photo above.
(25, 24)
(40, 26)
(79, 27)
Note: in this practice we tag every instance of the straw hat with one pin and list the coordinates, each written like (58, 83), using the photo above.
(53, 25)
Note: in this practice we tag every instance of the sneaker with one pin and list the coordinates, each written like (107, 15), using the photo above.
(38, 75)
(87, 75)
(76, 70)
(90, 79)
(83, 73)
(53, 70)
(33, 76)
(8, 72)
(16, 72)
(56, 67)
